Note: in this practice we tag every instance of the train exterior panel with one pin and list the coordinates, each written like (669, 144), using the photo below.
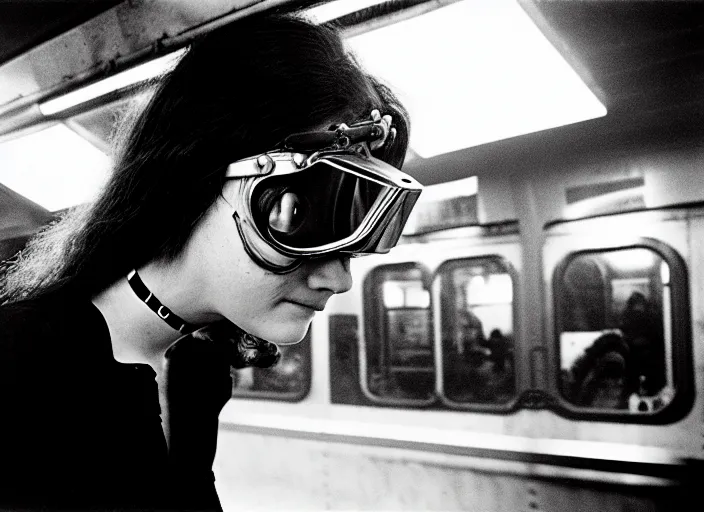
(534, 447)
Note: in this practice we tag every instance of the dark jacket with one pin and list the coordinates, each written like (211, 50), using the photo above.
(79, 430)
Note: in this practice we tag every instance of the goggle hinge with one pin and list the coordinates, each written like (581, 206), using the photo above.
(266, 164)
(251, 167)
(299, 159)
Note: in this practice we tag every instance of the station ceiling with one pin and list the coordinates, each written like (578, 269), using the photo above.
(25, 24)
(647, 54)
(643, 59)
(644, 55)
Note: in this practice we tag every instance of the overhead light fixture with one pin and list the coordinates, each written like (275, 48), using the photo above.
(132, 76)
(333, 10)
(68, 170)
(474, 72)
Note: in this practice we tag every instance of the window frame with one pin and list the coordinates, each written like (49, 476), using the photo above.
(370, 313)
(680, 342)
(503, 407)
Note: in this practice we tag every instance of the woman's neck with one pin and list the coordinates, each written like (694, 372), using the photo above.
(137, 333)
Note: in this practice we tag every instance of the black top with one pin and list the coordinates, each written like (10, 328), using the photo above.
(77, 428)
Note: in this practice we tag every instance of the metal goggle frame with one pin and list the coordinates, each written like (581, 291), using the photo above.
(339, 199)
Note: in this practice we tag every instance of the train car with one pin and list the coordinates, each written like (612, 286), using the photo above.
(536, 340)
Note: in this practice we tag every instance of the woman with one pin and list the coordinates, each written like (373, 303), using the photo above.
(238, 196)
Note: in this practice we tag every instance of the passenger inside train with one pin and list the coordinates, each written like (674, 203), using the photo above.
(478, 347)
(625, 365)
(601, 376)
(642, 330)
(230, 217)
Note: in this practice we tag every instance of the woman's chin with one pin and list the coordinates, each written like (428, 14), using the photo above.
(288, 333)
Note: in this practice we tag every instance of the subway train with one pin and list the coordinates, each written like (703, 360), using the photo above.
(536, 339)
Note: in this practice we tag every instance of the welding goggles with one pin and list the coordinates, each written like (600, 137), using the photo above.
(322, 193)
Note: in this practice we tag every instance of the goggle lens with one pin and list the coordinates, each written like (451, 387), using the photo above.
(313, 207)
(286, 214)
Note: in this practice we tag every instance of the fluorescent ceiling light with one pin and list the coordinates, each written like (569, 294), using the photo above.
(67, 171)
(473, 72)
(337, 9)
(116, 82)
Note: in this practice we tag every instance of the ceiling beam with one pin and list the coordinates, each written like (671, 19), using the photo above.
(121, 37)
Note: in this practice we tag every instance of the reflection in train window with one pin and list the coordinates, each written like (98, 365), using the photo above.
(477, 326)
(614, 327)
(289, 380)
(399, 336)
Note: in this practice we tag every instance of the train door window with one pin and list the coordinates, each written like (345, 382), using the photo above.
(398, 342)
(477, 331)
(618, 312)
(289, 379)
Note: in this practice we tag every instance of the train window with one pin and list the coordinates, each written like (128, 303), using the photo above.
(398, 344)
(615, 319)
(477, 331)
(289, 380)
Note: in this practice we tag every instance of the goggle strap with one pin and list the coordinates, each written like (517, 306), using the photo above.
(309, 141)
(341, 137)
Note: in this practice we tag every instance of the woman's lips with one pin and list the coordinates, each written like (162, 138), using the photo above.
(312, 305)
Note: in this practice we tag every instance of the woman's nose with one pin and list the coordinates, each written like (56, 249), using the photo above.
(331, 274)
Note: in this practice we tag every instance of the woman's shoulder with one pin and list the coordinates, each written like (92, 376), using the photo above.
(43, 325)
(35, 313)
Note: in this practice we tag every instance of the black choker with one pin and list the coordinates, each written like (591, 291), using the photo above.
(141, 290)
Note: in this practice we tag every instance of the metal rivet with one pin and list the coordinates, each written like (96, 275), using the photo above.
(299, 158)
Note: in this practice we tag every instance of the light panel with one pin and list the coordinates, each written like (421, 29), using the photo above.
(474, 72)
(332, 10)
(66, 171)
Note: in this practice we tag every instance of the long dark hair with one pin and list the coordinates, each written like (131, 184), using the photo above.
(237, 92)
